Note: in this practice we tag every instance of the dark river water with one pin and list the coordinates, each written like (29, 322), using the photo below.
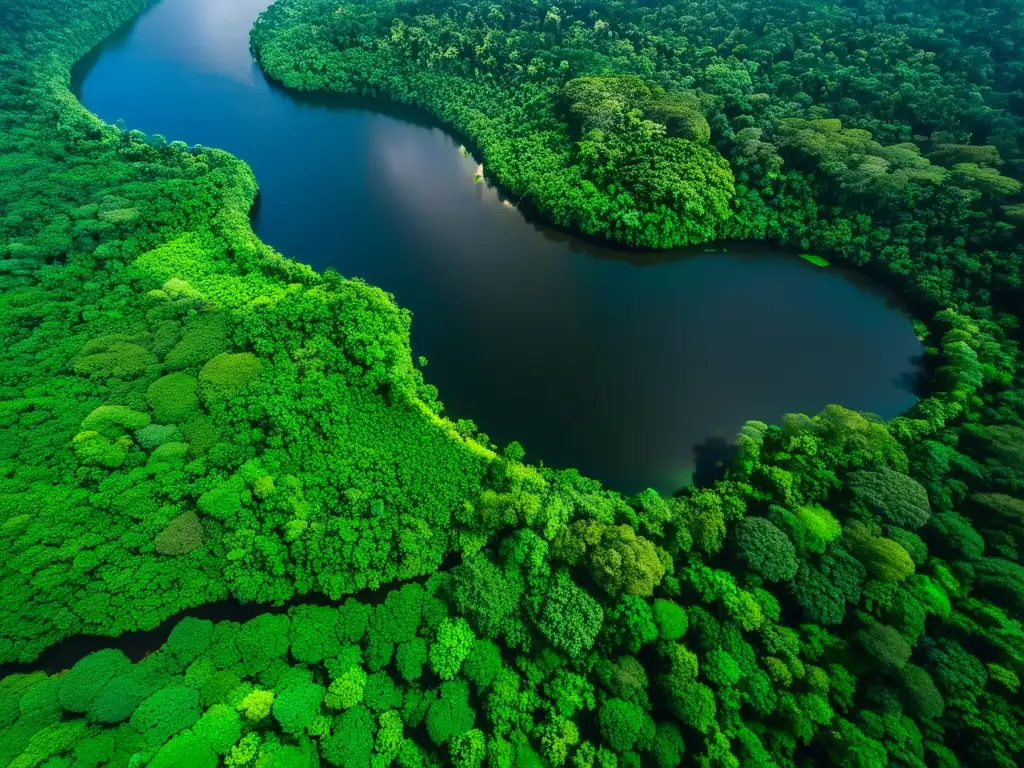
(622, 365)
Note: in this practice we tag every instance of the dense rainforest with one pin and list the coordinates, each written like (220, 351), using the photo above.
(858, 127)
(186, 415)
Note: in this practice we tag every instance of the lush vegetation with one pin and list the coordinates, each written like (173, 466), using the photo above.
(859, 128)
(186, 415)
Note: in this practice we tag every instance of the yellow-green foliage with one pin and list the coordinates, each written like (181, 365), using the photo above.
(257, 705)
(886, 560)
(347, 690)
(114, 420)
(817, 261)
(820, 527)
(93, 448)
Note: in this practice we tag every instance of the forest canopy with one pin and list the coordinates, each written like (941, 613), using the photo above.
(188, 416)
(815, 123)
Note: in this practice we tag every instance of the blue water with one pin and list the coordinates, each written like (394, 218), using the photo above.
(617, 364)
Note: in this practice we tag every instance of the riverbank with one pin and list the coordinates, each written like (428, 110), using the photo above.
(556, 328)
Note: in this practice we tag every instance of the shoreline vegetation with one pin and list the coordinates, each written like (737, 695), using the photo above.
(187, 416)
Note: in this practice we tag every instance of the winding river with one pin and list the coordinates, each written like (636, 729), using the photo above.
(630, 367)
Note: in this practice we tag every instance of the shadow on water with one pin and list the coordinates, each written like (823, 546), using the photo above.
(343, 102)
(256, 210)
(914, 381)
(118, 40)
(711, 458)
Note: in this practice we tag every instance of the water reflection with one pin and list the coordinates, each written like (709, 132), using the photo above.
(637, 368)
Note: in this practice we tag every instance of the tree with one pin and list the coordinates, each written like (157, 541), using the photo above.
(257, 705)
(884, 558)
(810, 527)
(629, 623)
(297, 706)
(381, 693)
(668, 747)
(483, 594)
(626, 678)
(228, 374)
(205, 336)
(1001, 448)
(849, 747)
(988, 181)
(115, 421)
(469, 749)
(884, 645)
(912, 543)
(483, 663)
(454, 643)
(1003, 579)
(182, 535)
(1007, 510)
(921, 695)
(173, 398)
(623, 562)
(897, 498)
(313, 634)
(84, 680)
(220, 727)
(681, 114)
(951, 154)
(450, 715)
(693, 705)
(570, 618)
(765, 549)
(601, 103)
(189, 640)
(262, 640)
(557, 738)
(119, 698)
(346, 691)
(185, 749)
(702, 515)
(410, 658)
(950, 535)
(353, 618)
(954, 669)
(390, 736)
(721, 669)
(670, 619)
(350, 742)
(569, 693)
(167, 712)
(819, 598)
(622, 723)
